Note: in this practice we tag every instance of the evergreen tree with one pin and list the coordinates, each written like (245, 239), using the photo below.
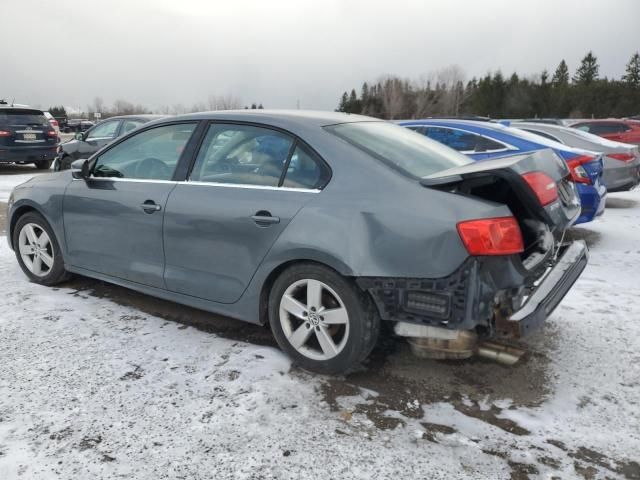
(260, 107)
(253, 106)
(587, 72)
(632, 72)
(561, 75)
(344, 103)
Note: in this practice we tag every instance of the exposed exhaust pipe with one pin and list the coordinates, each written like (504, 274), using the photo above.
(444, 344)
(504, 354)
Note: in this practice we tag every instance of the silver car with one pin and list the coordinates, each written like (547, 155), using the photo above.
(621, 160)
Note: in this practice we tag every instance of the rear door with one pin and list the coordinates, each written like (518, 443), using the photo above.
(246, 185)
(113, 220)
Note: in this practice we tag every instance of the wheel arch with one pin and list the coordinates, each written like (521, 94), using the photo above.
(15, 216)
(332, 264)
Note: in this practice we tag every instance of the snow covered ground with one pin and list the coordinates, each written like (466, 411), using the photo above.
(96, 387)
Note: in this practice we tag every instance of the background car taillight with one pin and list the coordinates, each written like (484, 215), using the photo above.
(543, 186)
(4, 133)
(578, 172)
(491, 236)
(625, 157)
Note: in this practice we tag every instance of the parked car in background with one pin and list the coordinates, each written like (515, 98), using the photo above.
(86, 144)
(53, 122)
(621, 160)
(26, 136)
(78, 125)
(482, 141)
(626, 131)
(548, 121)
(246, 214)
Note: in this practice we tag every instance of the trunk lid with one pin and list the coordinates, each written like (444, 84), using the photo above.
(502, 181)
(558, 215)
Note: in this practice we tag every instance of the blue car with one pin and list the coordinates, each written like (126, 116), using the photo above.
(484, 140)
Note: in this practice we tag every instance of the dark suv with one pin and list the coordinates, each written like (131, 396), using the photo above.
(26, 136)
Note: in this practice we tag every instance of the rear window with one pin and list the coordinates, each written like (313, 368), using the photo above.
(405, 150)
(22, 117)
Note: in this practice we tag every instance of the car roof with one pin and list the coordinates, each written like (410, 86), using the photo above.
(8, 109)
(500, 129)
(143, 116)
(574, 132)
(317, 118)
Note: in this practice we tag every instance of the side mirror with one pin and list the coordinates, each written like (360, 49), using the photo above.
(79, 136)
(80, 168)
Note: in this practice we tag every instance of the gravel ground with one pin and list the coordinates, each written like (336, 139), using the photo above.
(100, 382)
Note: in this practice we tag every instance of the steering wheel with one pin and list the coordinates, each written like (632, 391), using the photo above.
(152, 167)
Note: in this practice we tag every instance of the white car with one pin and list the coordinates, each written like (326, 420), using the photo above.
(53, 122)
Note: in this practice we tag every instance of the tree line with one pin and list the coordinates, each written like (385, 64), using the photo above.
(124, 107)
(445, 93)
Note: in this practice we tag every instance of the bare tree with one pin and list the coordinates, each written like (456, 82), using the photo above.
(393, 97)
(98, 104)
(224, 102)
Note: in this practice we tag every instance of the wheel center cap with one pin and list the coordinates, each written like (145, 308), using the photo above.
(314, 319)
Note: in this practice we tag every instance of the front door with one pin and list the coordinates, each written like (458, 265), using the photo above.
(113, 220)
(220, 224)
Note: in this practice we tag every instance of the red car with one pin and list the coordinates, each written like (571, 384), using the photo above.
(625, 131)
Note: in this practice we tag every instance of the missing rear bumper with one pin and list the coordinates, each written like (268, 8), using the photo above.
(547, 295)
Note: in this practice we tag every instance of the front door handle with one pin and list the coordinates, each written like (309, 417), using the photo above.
(149, 206)
(264, 218)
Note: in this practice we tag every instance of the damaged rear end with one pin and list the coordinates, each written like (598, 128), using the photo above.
(518, 270)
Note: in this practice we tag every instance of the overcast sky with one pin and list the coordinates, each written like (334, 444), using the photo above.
(279, 52)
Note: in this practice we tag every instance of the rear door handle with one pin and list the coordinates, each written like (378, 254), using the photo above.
(264, 218)
(150, 206)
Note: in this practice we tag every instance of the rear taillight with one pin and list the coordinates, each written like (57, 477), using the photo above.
(578, 173)
(54, 123)
(624, 157)
(52, 133)
(4, 133)
(491, 236)
(543, 186)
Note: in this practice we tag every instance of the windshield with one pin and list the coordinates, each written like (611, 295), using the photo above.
(410, 152)
(24, 117)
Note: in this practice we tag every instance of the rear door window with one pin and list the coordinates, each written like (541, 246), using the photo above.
(305, 170)
(242, 155)
(463, 141)
(128, 125)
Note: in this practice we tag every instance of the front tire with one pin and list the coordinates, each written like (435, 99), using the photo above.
(37, 250)
(43, 164)
(321, 319)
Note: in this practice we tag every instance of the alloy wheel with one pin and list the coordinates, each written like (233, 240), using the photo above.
(36, 249)
(314, 319)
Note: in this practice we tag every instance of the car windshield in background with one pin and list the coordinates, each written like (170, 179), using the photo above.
(28, 117)
(403, 149)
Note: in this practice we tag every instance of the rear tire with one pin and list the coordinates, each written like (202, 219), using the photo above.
(321, 319)
(43, 164)
(37, 250)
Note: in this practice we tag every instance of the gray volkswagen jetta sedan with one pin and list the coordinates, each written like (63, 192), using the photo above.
(321, 224)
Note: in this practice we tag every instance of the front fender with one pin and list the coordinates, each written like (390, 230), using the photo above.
(45, 195)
